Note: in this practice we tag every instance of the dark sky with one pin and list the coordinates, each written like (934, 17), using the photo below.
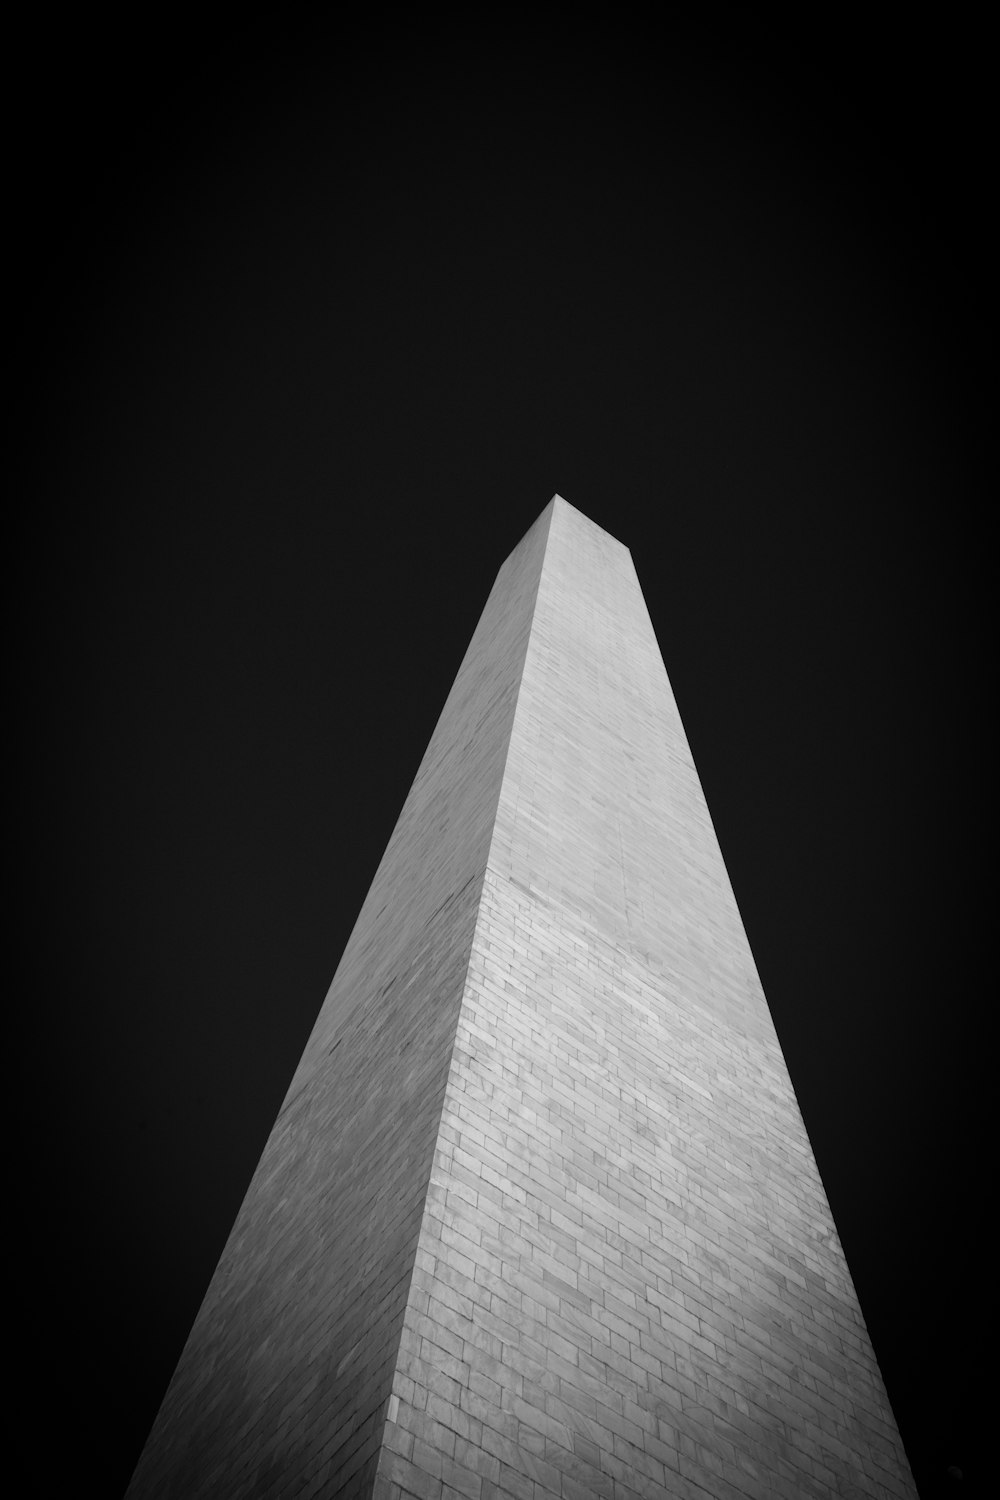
(316, 325)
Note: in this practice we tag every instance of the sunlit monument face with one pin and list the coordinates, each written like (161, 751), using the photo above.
(539, 1215)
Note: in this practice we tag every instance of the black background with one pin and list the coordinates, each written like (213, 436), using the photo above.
(315, 324)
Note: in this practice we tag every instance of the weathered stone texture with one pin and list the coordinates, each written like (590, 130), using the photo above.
(539, 1216)
(628, 1281)
(283, 1383)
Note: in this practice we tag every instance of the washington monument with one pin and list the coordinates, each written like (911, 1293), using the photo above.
(539, 1215)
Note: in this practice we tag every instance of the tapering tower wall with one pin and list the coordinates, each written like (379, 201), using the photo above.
(539, 1216)
(283, 1385)
(628, 1279)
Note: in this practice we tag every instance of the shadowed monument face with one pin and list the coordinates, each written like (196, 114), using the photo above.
(539, 1215)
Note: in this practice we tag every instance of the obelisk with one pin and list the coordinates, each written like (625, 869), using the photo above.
(539, 1215)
